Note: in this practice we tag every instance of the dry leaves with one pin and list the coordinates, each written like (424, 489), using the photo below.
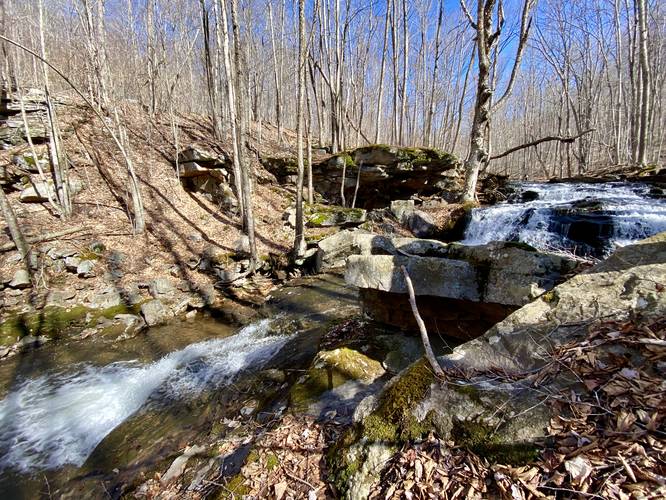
(608, 439)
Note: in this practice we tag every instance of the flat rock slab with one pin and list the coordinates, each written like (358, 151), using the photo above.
(499, 273)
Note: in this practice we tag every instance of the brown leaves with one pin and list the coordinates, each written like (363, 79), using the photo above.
(608, 438)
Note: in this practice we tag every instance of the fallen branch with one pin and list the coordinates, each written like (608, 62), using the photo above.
(44, 237)
(429, 354)
(565, 139)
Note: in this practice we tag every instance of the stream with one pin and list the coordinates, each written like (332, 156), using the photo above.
(588, 219)
(75, 414)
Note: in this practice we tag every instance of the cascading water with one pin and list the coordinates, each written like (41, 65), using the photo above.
(59, 418)
(586, 219)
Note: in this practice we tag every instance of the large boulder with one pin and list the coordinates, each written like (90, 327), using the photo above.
(155, 313)
(502, 273)
(498, 410)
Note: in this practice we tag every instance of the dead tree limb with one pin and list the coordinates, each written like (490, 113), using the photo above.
(565, 139)
(44, 237)
(429, 354)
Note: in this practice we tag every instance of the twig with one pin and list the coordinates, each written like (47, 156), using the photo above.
(430, 355)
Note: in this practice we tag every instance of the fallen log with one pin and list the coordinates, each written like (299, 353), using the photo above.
(44, 237)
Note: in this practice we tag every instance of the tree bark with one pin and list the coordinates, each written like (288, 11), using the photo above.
(299, 236)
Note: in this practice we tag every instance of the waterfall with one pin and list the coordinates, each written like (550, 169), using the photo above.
(59, 418)
(587, 219)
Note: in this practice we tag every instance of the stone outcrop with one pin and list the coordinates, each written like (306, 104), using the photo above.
(503, 418)
(39, 191)
(12, 128)
(208, 173)
(499, 272)
(387, 172)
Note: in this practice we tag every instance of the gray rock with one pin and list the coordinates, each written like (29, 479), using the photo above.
(400, 208)
(162, 288)
(39, 191)
(86, 269)
(501, 273)
(109, 297)
(60, 253)
(155, 312)
(21, 280)
(132, 324)
(60, 298)
(72, 263)
(421, 224)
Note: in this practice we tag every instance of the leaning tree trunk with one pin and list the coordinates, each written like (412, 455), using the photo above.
(14, 229)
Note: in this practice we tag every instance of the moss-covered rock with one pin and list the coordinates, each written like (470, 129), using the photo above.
(331, 369)
(318, 215)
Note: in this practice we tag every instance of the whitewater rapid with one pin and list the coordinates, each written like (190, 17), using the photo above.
(59, 418)
(625, 213)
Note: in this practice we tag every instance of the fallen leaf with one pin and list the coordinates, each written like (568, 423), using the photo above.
(280, 490)
(579, 468)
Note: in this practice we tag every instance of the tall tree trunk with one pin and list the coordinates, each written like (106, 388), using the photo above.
(231, 102)
(299, 237)
(645, 83)
(380, 97)
(245, 167)
(14, 229)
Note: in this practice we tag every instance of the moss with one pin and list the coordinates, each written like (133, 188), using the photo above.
(272, 461)
(342, 463)
(235, 488)
(393, 421)
(329, 370)
(484, 441)
(550, 297)
(54, 321)
(469, 205)
(468, 390)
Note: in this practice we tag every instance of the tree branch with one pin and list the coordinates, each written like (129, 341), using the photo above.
(539, 141)
(429, 354)
(44, 237)
(465, 10)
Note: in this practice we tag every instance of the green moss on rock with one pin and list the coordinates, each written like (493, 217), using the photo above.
(331, 369)
(485, 442)
(393, 419)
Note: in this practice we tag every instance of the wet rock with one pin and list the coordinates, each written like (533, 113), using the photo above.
(86, 269)
(333, 251)
(21, 280)
(154, 312)
(132, 324)
(421, 224)
(273, 375)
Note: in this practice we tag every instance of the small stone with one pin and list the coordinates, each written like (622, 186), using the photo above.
(85, 269)
(133, 324)
(21, 280)
(72, 263)
(191, 315)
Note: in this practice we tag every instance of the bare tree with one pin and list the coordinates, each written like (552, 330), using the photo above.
(299, 237)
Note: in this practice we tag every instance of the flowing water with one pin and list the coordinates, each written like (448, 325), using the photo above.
(78, 410)
(587, 219)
